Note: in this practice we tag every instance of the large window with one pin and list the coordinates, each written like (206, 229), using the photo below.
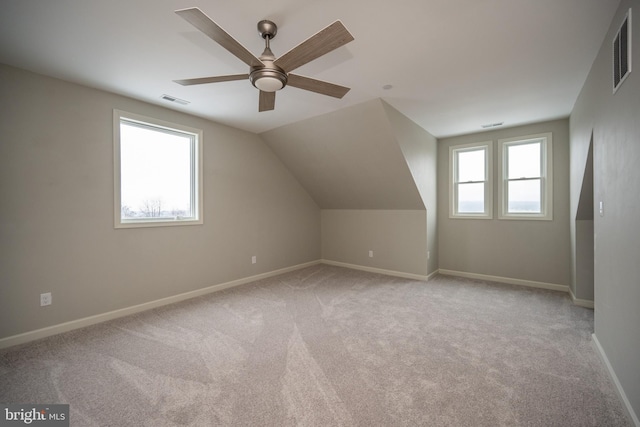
(158, 172)
(470, 188)
(525, 176)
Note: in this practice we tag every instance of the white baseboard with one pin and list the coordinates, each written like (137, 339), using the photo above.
(433, 274)
(508, 280)
(623, 396)
(377, 270)
(580, 302)
(103, 317)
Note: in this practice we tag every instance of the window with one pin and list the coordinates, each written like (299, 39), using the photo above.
(526, 182)
(158, 172)
(471, 188)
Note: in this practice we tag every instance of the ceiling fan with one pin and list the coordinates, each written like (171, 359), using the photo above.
(268, 73)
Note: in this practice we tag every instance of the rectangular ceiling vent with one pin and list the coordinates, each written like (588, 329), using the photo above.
(492, 125)
(174, 99)
(622, 52)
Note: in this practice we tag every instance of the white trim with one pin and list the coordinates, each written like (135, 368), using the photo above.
(103, 317)
(197, 178)
(488, 180)
(623, 396)
(433, 274)
(546, 147)
(377, 270)
(508, 280)
(580, 302)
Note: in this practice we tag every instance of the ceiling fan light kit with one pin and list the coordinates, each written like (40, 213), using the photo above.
(268, 81)
(268, 73)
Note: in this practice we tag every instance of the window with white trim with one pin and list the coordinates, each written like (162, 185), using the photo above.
(470, 187)
(157, 172)
(525, 176)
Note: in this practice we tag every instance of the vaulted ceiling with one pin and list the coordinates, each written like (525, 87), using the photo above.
(350, 159)
(449, 65)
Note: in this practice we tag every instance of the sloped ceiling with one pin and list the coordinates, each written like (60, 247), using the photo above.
(348, 159)
(585, 204)
(420, 150)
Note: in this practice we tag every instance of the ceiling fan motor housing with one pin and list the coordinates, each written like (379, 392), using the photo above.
(268, 78)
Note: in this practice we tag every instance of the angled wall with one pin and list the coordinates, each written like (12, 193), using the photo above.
(372, 171)
(582, 246)
(420, 150)
(348, 159)
(614, 122)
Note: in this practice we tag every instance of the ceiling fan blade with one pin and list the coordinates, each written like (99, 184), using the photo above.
(203, 80)
(267, 101)
(317, 86)
(324, 41)
(198, 19)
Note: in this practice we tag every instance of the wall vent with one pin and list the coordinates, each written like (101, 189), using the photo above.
(622, 52)
(174, 99)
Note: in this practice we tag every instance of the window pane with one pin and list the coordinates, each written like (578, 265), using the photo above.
(471, 198)
(524, 196)
(471, 165)
(156, 171)
(524, 160)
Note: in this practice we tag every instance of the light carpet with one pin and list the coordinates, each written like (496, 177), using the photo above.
(329, 346)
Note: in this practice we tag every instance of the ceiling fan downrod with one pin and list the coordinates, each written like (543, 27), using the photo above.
(270, 77)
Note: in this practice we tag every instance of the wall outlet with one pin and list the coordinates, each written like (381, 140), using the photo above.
(370, 254)
(45, 299)
(428, 254)
(253, 259)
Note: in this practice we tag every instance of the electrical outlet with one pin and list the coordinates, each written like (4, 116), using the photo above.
(370, 254)
(428, 254)
(253, 259)
(45, 299)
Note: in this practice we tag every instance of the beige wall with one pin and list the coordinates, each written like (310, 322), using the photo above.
(56, 221)
(614, 122)
(584, 255)
(515, 249)
(398, 238)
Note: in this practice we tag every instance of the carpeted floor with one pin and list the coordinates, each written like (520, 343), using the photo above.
(328, 346)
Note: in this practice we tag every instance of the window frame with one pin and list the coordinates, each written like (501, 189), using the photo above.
(616, 39)
(488, 181)
(546, 177)
(196, 160)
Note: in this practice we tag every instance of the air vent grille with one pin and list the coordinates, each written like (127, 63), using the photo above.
(174, 99)
(622, 53)
(492, 125)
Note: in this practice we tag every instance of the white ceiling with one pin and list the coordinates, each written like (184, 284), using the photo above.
(454, 64)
